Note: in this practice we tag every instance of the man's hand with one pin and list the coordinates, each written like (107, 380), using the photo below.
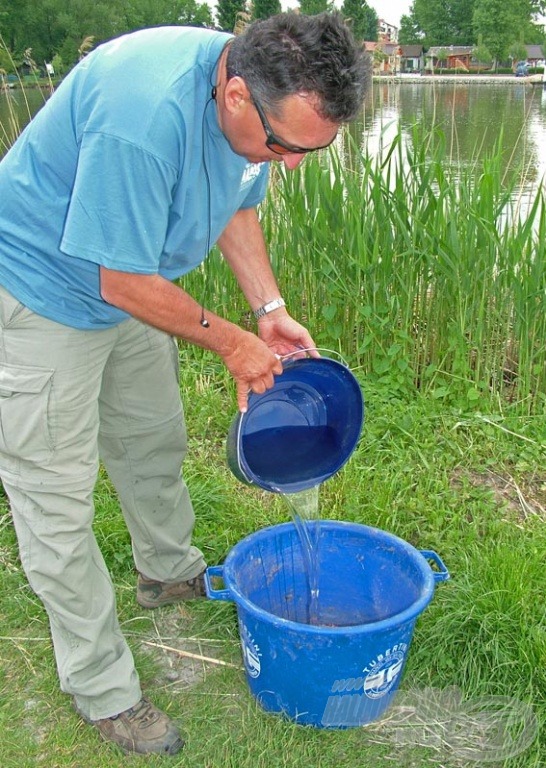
(285, 336)
(253, 366)
(158, 302)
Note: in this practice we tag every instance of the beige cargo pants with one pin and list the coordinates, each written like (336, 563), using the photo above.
(65, 396)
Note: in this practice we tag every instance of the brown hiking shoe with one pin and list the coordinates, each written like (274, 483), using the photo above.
(153, 594)
(143, 728)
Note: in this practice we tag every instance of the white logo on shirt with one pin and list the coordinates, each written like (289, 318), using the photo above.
(250, 173)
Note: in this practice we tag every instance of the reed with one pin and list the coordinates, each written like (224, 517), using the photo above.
(425, 274)
(11, 124)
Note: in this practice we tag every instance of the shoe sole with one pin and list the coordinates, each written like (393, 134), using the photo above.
(159, 604)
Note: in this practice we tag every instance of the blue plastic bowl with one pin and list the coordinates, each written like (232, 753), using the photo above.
(301, 431)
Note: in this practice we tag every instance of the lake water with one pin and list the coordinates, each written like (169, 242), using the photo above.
(471, 115)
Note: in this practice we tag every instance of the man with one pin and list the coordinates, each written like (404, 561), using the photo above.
(155, 147)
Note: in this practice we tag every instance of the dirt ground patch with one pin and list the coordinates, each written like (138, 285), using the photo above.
(183, 660)
(524, 499)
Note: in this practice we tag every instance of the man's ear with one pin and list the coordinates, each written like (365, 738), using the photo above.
(236, 94)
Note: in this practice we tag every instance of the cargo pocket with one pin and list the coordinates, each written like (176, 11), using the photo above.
(25, 428)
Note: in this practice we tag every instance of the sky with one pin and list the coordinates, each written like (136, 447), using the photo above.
(391, 11)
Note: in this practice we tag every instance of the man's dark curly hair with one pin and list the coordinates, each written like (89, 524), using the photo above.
(292, 53)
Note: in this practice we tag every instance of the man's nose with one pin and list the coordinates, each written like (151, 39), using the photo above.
(293, 159)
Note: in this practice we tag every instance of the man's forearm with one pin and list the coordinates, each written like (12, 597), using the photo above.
(158, 302)
(243, 247)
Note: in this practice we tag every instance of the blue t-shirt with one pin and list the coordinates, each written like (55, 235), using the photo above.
(122, 167)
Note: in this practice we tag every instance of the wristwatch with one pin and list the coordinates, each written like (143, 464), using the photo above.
(269, 307)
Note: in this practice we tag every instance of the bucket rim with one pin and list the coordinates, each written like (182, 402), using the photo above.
(406, 616)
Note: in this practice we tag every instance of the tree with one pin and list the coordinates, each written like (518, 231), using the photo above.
(7, 65)
(409, 32)
(379, 58)
(52, 27)
(482, 54)
(13, 16)
(363, 19)
(58, 65)
(460, 20)
(500, 22)
(194, 14)
(444, 22)
(442, 56)
(517, 51)
(264, 9)
(227, 12)
(143, 13)
(533, 33)
(312, 7)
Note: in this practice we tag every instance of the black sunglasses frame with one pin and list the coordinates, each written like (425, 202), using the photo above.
(277, 145)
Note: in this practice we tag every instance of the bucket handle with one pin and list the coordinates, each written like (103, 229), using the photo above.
(314, 349)
(442, 574)
(215, 594)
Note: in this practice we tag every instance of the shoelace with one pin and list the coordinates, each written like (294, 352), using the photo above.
(143, 713)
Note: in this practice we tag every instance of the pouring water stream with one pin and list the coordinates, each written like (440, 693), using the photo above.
(304, 509)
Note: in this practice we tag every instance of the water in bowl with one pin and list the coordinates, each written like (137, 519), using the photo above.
(302, 452)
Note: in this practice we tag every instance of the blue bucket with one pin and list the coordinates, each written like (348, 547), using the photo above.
(343, 671)
(301, 431)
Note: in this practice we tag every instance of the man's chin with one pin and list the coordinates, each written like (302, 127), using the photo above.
(255, 159)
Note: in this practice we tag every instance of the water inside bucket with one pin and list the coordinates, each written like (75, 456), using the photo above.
(302, 452)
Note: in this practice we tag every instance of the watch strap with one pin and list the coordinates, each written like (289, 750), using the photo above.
(271, 306)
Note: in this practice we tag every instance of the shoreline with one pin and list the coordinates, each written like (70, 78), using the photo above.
(532, 80)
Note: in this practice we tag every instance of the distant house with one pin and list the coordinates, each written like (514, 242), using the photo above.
(440, 57)
(385, 57)
(387, 32)
(412, 58)
(535, 56)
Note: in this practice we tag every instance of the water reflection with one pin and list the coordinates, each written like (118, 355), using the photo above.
(473, 118)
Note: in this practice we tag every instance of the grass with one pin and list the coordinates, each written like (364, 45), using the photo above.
(10, 126)
(470, 486)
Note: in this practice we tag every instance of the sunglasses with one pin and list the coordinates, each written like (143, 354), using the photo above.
(277, 145)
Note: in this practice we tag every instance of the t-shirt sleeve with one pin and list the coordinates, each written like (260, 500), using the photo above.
(119, 207)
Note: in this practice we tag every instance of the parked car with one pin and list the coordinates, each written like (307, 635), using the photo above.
(522, 69)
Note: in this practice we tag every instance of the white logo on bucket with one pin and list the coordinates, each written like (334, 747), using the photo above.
(251, 653)
(383, 672)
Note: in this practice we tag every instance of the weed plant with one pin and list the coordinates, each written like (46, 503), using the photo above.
(470, 486)
(10, 125)
(427, 275)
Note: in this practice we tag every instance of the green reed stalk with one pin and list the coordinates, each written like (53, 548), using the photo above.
(11, 127)
(421, 273)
